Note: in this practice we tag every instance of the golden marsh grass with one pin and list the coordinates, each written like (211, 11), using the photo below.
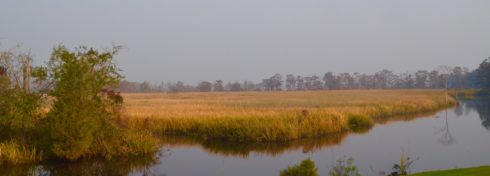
(273, 116)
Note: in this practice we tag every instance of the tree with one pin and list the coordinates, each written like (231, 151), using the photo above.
(180, 86)
(456, 78)
(421, 77)
(18, 106)
(160, 87)
(236, 86)
(470, 79)
(356, 77)
(300, 83)
(80, 122)
(218, 86)
(145, 87)
(4, 80)
(308, 82)
(409, 81)
(483, 75)
(19, 112)
(290, 82)
(345, 81)
(205, 86)
(434, 81)
(249, 86)
(276, 82)
(3, 71)
(316, 83)
(445, 71)
(384, 79)
(367, 81)
(126, 86)
(330, 81)
(16, 65)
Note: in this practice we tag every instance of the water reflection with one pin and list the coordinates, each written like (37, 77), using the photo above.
(482, 105)
(119, 166)
(446, 137)
(243, 150)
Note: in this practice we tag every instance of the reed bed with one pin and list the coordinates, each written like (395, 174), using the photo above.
(13, 153)
(273, 116)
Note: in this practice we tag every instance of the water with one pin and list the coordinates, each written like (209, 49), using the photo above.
(453, 138)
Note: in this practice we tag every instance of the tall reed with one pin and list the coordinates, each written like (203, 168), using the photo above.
(13, 153)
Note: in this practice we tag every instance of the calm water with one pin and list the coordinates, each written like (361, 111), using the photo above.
(457, 137)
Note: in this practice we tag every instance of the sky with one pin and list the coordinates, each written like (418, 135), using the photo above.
(236, 40)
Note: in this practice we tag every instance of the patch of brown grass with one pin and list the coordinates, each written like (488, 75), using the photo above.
(272, 116)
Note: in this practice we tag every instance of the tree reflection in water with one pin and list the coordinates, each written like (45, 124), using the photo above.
(482, 105)
(117, 166)
(446, 137)
(244, 149)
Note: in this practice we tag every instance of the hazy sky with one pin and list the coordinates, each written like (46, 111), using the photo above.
(194, 40)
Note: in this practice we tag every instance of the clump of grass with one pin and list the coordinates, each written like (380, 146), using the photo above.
(13, 153)
(345, 167)
(305, 168)
(124, 143)
(139, 143)
(357, 122)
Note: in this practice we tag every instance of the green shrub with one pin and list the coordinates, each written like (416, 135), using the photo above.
(82, 121)
(305, 168)
(18, 113)
(345, 167)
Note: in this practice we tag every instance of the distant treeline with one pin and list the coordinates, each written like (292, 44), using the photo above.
(441, 77)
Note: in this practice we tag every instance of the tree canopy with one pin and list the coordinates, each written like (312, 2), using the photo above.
(483, 75)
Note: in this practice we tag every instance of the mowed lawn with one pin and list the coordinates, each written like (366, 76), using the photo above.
(273, 116)
(476, 171)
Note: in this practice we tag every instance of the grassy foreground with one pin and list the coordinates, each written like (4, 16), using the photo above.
(475, 171)
(273, 116)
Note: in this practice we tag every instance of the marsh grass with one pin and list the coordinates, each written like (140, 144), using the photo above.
(359, 123)
(138, 143)
(13, 153)
(273, 116)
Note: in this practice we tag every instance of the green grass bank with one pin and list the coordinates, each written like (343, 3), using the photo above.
(475, 171)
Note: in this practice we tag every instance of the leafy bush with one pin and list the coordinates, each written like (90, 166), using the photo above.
(305, 168)
(345, 167)
(18, 112)
(82, 121)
